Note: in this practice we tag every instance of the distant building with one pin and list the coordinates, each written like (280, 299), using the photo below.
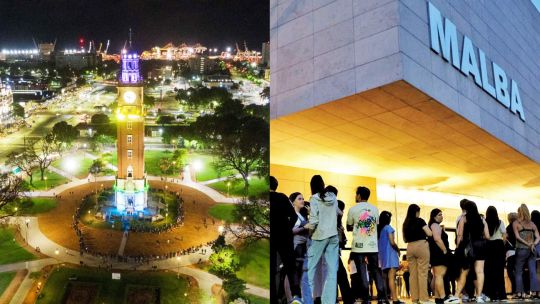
(172, 52)
(203, 65)
(266, 53)
(20, 55)
(75, 59)
(6, 104)
(218, 81)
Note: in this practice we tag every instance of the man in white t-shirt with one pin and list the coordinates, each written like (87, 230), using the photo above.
(362, 220)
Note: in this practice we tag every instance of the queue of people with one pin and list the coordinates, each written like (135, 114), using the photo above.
(308, 237)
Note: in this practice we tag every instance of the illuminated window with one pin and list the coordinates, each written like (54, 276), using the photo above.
(129, 125)
(130, 154)
(130, 139)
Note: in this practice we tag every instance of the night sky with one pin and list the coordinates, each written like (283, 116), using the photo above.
(214, 23)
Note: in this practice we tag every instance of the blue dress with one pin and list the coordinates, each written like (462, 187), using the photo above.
(388, 257)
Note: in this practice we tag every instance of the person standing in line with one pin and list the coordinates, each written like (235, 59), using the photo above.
(494, 266)
(388, 254)
(282, 220)
(300, 241)
(439, 252)
(415, 230)
(324, 241)
(362, 220)
(472, 234)
(511, 250)
(527, 238)
(404, 265)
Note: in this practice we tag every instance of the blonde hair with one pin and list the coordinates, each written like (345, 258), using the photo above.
(523, 213)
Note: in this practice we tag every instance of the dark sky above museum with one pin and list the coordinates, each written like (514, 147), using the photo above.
(214, 23)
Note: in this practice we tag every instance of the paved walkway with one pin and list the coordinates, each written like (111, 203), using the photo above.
(123, 244)
(61, 254)
(63, 173)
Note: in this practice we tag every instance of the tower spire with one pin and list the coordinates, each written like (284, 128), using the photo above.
(130, 37)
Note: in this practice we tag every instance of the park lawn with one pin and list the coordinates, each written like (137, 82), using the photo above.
(257, 300)
(10, 251)
(258, 187)
(113, 291)
(222, 212)
(208, 170)
(37, 205)
(5, 279)
(53, 180)
(254, 261)
(82, 164)
(151, 161)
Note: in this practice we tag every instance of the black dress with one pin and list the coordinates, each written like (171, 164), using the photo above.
(437, 256)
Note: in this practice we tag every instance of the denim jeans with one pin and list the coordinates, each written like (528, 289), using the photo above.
(329, 248)
(525, 255)
(306, 290)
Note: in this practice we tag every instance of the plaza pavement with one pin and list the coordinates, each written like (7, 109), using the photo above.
(61, 254)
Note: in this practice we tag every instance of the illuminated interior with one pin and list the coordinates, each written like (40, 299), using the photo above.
(400, 137)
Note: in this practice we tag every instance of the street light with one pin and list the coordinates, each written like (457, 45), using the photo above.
(221, 229)
(228, 188)
(197, 166)
(46, 186)
(57, 252)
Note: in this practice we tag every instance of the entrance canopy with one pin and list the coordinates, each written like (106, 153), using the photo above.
(402, 137)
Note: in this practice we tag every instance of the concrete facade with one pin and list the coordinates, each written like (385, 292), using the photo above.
(325, 50)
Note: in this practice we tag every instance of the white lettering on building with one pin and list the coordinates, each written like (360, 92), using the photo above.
(444, 41)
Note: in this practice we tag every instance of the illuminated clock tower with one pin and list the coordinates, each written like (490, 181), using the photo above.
(131, 185)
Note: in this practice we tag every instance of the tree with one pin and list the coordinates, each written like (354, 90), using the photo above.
(25, 161)
(64, 132)
(100, 118)
(239, 139)
(165, 119)
(165, 165)
(265, 93)
(11, 191)
(95, 169)
(101, 140)
(253, 218)
(234, 287)
(225, 262)
(43, 151)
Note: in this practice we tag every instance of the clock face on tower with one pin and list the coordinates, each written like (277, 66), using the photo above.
(129, 97)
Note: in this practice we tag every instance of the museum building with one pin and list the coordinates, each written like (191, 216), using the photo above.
(424, 102)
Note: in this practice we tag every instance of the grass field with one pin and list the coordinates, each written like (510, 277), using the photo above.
(10, 251)
(257, 300)
(172, 290)
(254, 261)
(222, 212)
(77, 164)
(53, 180)
(258, 187)
(36, 205)
(208, 171)
(5, 279)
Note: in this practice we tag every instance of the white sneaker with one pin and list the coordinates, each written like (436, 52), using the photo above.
(464, 298)
(296, 300)
(452, 299)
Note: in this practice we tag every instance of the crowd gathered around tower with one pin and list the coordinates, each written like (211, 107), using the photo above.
(308, 243)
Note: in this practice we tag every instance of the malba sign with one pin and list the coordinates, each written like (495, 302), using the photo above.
(444, 41)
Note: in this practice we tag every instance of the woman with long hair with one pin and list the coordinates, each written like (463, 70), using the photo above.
(415, 232)
(388, 254)
(527, 238)
(495, 260)
(300, 243)
(324, 240)
(472, 234)
(438, 252)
